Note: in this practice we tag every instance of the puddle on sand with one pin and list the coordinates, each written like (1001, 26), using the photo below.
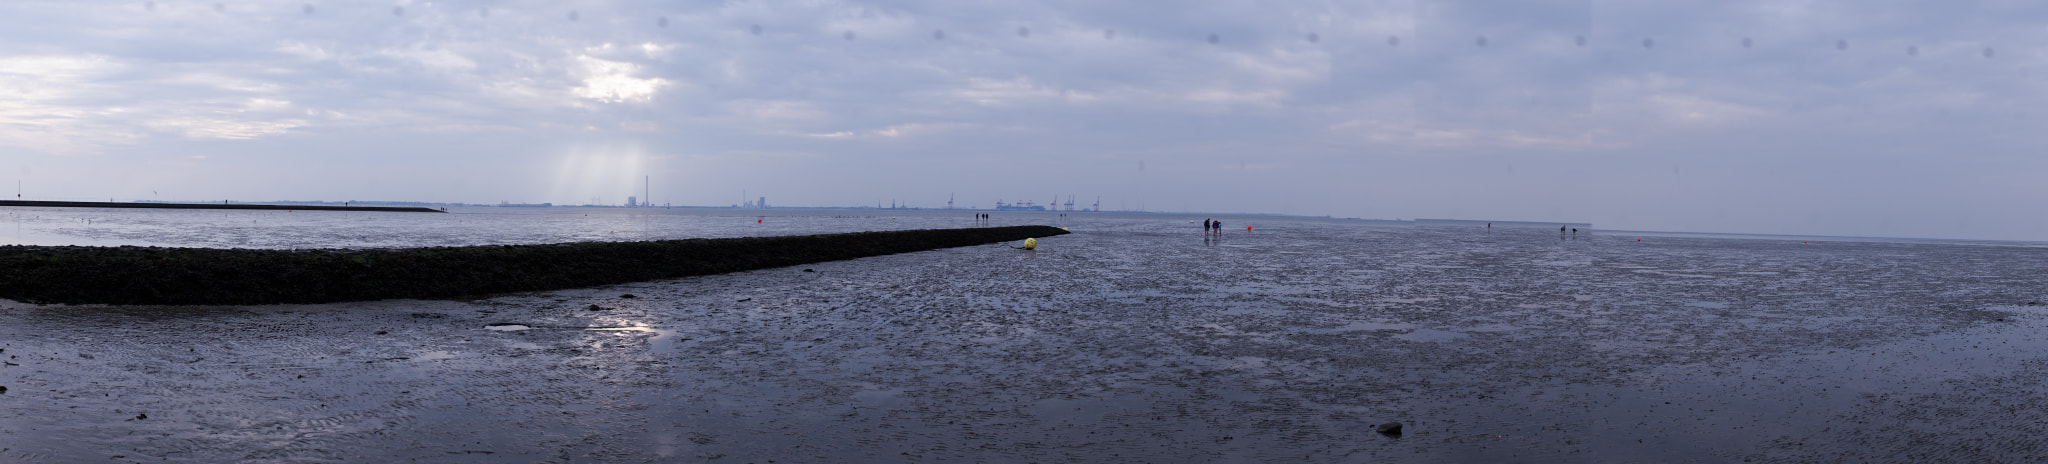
(435, 355)
(507, 327)
(1431, 335)
(1361, 326)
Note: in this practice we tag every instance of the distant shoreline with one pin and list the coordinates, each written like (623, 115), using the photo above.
(245, 206)
(131, 275)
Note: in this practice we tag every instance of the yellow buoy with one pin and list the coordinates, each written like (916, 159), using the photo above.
(1030, 244)
(1066, 229)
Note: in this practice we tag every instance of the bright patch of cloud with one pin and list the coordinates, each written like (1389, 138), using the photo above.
(1692, 109)
(614, 82)
(256, 117)
(998, 92)
(39, 103)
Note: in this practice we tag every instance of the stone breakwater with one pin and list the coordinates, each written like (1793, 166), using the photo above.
(207, 276)
(241, 206)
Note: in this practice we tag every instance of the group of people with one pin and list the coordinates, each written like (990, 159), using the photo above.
(1212, 227)
(1560, 230)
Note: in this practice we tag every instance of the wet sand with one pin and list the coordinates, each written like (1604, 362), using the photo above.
(1135, 342)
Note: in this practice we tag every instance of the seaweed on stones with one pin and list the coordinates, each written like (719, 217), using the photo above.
(130, 275)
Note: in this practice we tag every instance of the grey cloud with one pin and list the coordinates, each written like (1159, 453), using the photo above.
(1373, 109)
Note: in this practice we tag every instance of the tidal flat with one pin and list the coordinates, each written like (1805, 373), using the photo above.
(1134, 339)
(212, 276)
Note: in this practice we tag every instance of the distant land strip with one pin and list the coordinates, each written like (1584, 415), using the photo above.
(131, 275)
(110, 204)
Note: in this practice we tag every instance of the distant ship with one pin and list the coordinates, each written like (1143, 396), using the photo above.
(1019, 206)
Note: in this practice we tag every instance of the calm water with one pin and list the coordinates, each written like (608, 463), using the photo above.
(1133, 340)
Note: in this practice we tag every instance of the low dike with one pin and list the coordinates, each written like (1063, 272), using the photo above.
(242, 206)
(132, 275)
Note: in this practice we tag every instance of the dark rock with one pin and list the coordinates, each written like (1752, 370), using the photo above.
(628, 296)
(808, 270)
(380, 332)
(1390, 428)
(141, 416)
(211, 276)
(3, 389)
(596, 308)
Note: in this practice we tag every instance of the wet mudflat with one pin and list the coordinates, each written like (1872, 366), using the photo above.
(1131, 340)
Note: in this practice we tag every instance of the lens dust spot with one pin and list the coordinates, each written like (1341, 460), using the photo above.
(848, 36)
(757, 29)
(938, 34)
(661, 23)
(1024, 32)
(398, 11)
(1988, 52)
(1580, 40)
(483, 12)
(1393, 41)
(1649, 43)
(573, 16)
(309, 8)
(1842, 45)
(1746, 43)
(1481, 42)
(1213, 39)
(151, 6)
(1313, 38)
(1109, 34)
(220, 8)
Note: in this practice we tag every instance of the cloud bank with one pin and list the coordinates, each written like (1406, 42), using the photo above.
(1812, 117)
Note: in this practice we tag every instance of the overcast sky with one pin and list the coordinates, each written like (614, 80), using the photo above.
(1870, 118)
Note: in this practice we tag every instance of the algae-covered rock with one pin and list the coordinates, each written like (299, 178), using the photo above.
(209, 276)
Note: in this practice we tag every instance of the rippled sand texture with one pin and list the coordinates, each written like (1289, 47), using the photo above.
(1130, 341)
